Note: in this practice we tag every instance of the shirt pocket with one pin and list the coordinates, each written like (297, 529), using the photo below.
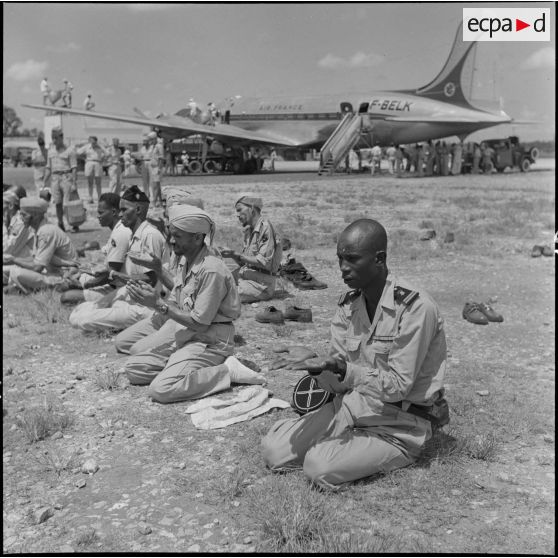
(352, 346)
(381, 347)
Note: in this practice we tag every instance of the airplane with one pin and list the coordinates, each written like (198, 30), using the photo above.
(334, 123)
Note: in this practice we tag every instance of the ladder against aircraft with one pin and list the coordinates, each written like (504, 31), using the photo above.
(341, 141)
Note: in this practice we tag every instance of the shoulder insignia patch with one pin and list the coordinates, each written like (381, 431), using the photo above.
(348, 297)
(405, 296)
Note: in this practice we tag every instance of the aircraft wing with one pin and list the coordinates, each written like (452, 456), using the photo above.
(179, 126)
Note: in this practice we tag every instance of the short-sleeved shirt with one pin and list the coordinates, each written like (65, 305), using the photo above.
(391, 152)
(63, 160)
(92, 154)
(116, 248)
(261, 242)
(400, 356)
(52, 245)
(37, 157)
(146, 239)
(113, 155)
(17, 239)
(206, 290)
(145, 153)
(376, 152)
(156, 152)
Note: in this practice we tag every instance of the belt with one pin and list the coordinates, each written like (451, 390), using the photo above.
(221, 323)
(61, 172)
(422, 411)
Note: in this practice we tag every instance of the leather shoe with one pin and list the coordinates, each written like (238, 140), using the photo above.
(307, 282)
(472, 313)
(547, 251)
(296, 314)
(270, 315)
(489, 312)
(537, 251)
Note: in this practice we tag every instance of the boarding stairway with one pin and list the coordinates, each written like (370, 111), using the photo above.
(341, 141)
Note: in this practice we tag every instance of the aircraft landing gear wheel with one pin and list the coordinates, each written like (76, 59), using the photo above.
(525, 165)
(195, 167)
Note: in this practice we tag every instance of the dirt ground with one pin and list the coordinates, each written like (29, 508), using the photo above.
(485, 485)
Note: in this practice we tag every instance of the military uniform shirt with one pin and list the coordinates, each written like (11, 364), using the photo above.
(116, 248)
(156, 152)
(113, 155)
(261, 243)
(92, 154)
(63, 160)
(52, 245)
(37, 158)
(17, 239)
(146, 239)
(206, 290)
(145, 153)
(400, 356)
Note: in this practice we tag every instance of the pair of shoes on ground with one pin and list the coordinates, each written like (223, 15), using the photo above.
(68, 284)
(272, 315)
(296, 272)
(539, 251)
(481, 313)
(62, 227)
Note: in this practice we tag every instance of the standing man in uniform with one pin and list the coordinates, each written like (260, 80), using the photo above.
(261, 256)
(430, 158)
(376, 154)
(145, 155)
(94, 155)
(420, 158)
(45, 91)
(114, 167)
(156, 165)
(444, 159)
(67, 94)
(61, 169)
(386, 367)
(204, 303)
(390, 154)
(52, 251)
(39, 157)
(477, 154)
(456, 158)
(116, 310)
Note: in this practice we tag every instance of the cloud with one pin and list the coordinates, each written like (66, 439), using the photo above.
(543, 58)
(157, 7)
(136, 90)
(108, 91)
(168, 86)
(26, 89)
(357, 60)
(30, 69)
(67, 47)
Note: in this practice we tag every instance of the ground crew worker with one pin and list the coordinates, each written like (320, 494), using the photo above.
(145, 156)
(203, 305)
(52, 251)
(39, 157)
(67, 94)
(94, 287)
(437, 168)
(261, 255)
(456, 158)
(272, 159)
(386, 367)
(477, 154)
(156, 165)
(486, 153)
(94, 155)
(444, 159)
(116, 311)
(17, 239)
(114, 168)
(45, 91)
(127, 158)
(88, 103)
(430, 158)
(390, 154)
(376, 153)
(398, 160)
(420, 159)
(61, 169)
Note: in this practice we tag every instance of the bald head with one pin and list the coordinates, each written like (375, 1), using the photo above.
(367, 234)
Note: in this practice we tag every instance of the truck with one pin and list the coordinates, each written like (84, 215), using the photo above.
(507, 153)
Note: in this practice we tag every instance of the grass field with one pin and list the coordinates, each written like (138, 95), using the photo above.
(485, 485)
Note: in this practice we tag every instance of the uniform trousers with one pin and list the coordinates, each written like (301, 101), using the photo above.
(114, 172)
(60, 187)
(146, 334)
(332, 450)
(28, 280)
(254, 285)
(145, 176)
(97, 316)
(179, 370)
(39, 177)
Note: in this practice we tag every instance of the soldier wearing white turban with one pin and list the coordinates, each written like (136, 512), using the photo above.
(261, 256)
(185, 352)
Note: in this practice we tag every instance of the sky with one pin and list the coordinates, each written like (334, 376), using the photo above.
(156, 56)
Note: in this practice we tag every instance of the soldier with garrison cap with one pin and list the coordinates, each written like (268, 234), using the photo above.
(261, 256)
(386, 369)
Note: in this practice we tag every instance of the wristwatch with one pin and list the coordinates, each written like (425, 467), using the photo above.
(162, 308)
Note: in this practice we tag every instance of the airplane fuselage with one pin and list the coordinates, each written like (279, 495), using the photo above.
(310, 120)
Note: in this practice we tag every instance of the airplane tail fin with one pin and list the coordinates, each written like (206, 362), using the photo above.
(450, 85)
